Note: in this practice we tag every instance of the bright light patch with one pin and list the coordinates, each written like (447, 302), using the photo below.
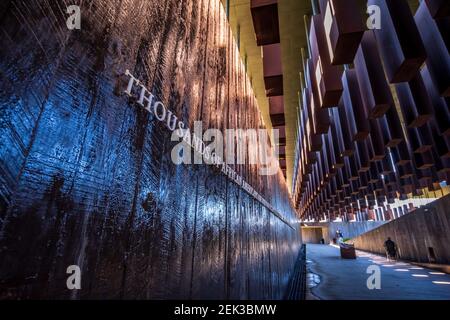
(402, 270)
(442, 282)
(420, 275)
(437, 273)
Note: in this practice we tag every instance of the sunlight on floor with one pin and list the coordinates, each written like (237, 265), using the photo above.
(442, 282)
(401, 270)
(437, 273)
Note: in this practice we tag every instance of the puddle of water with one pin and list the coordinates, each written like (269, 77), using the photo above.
(312, 280)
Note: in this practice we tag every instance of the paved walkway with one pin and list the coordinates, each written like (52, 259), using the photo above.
(347, 279)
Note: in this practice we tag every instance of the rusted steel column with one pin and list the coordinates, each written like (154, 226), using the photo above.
(399, 41)
(344, 28)
(375, 93)
(438, 61)
(326, 76)
(354, 109)
(415, 102)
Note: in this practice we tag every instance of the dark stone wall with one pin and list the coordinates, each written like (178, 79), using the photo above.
(311, 235)
(414, 233)
(86, 175)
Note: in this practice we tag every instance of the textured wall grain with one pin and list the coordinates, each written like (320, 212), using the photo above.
(86, 176)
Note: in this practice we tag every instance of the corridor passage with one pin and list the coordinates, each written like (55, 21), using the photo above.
(347, 279)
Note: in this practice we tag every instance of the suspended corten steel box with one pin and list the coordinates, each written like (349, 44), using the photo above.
(414, 102)
(424, 160)
(274, 85)
(345, 142)
(354, 109)
(334, 137)
(362, 156)
(265, 21)
(407, 187)
(314, 140)
(276, 109)
(405, 171)
(354, 175)
(326, 76)
(420, 139)
(375, 92)
(374, 176)
(283, 165)
(442, 172)
(329, 149)
(355, 190)
(340, 180)
(376, 141)
(399, 41)
(319, 116)
(381, 198)
(362, 204)
(441, 143)
(364, 180)
(440, 105)
(400, 154)
(438, 8)
(378, 187)
(346, 172)
(424, 178)
(388, 171)
(444, 28)
(282, 153)
(282, 135)
(393, 126)
(273, 71)
(344, 28)
(438, 60)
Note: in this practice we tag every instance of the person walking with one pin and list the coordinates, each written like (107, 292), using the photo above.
(391, 249)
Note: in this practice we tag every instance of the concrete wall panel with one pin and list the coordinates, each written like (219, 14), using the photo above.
(414, 233)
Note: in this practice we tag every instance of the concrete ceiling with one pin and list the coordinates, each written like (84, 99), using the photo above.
(293, 38)
(240, 15)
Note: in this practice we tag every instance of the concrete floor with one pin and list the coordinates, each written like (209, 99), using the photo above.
(347, 279)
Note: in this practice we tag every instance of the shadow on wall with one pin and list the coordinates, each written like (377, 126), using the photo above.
(314, 232)
(421, 236)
